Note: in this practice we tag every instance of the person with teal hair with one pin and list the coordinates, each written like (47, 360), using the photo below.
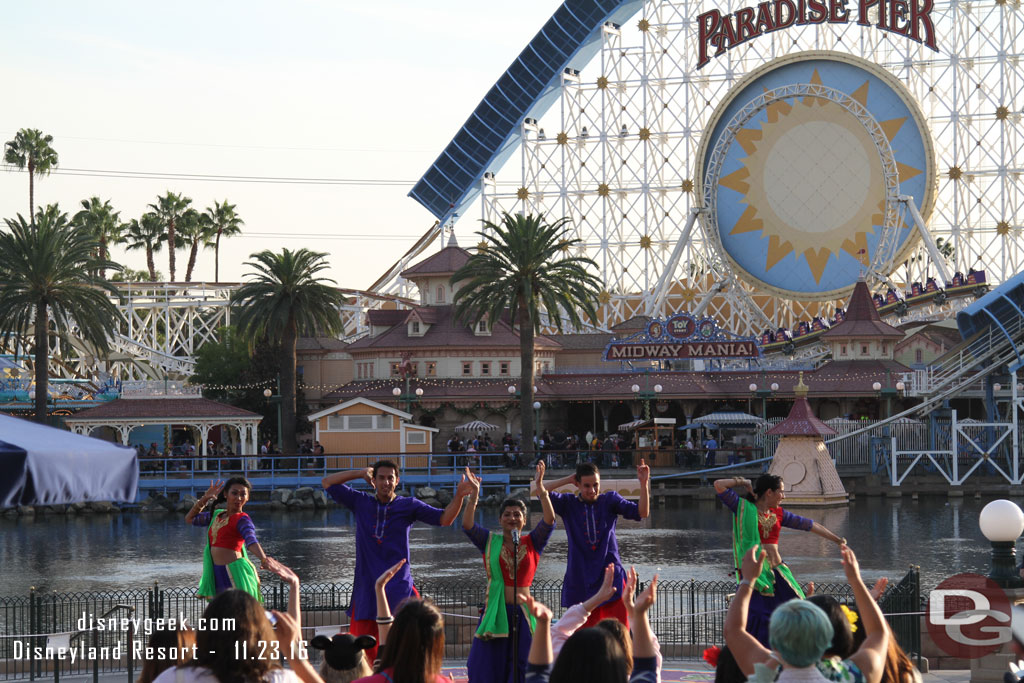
(800, 633)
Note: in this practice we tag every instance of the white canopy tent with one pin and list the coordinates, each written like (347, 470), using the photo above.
(41, 465)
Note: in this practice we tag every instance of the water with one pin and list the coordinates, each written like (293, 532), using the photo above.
(688, 540)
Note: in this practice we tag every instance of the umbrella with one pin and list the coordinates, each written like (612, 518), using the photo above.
(630, 426)
(699, 425)
(41, 465)
(477, 426)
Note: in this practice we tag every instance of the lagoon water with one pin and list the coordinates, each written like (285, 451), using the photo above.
(681, 541)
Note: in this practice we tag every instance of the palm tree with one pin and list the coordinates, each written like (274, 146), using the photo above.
(31, 149)
(525, 267)
(48, 270)
(170, 207)
(100, 219)
(227, 224)
(286, 296)
(146, 233)
(195, 230)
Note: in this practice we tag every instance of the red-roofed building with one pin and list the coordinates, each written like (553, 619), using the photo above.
(465, 372)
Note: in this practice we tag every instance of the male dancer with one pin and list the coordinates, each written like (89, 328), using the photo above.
(382, 536)
(589, 518)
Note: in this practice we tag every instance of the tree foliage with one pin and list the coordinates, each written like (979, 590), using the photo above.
(31, 149)
(526, 269)
(48, 271)
(284, 297)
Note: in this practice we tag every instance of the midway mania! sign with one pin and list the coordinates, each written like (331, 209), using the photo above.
(681, 336)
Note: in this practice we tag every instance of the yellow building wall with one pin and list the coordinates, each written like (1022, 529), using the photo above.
(368, 446)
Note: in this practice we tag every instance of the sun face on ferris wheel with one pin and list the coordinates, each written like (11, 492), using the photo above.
(798, 183)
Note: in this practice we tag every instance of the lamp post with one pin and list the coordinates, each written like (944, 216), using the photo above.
(646, 396)
(764, 395)
(276, 399)
(409, 397)
(536, 418)
(888, 392)
(1002, 522)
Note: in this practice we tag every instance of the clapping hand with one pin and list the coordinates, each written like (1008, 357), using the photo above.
(538, 609)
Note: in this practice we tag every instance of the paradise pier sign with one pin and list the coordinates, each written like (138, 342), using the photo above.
(717, 32)
(680, 337)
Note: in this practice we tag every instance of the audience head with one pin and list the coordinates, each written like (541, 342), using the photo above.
(621, 634)
(898, 667)
(588, 480)
(242, 626)
(799, 632)
(179, 642)
(842, 632)
(415, 647)
(593, 655)
(344, 660)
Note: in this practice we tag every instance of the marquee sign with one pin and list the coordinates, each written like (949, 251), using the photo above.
(679, 337)
(718, 32)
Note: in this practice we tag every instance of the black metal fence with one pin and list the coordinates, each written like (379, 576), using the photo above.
(687, 617)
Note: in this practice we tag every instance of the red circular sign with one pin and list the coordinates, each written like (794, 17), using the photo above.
(681, 326)
(968, 616)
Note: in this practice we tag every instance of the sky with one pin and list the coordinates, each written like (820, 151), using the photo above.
(329, 89)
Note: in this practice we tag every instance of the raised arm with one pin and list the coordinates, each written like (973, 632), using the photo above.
(292, 648)
(204, 500)
(722, 484)
(346, 476)
(643, 636)
(870, 656)
(574, 617)
(643, 473)
(384, 618)
(294, 590)
(469, 514)
(820, 530)
(745, 647)
(559, 483)
(543, 495)
(540, 648)
(464, 489)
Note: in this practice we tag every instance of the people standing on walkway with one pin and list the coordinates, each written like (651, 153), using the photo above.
(383, 520)
(711, 446)
(231, 537)
(491, 654)
(589, 517)
(757, 519)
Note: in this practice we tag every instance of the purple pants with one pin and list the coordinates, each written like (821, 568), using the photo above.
(490, 661)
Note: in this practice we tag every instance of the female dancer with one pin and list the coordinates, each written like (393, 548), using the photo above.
(490, 655)
(225, 560)
(757, 519)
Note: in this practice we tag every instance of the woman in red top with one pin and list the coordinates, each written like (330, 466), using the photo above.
(758, 518)
(491, 654)
(231, 536)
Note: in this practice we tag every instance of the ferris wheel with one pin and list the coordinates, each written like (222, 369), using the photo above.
(751, 161)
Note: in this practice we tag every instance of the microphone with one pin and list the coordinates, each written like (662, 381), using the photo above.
(515, 537)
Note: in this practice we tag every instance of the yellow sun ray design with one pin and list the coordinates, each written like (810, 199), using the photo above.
(812, 180)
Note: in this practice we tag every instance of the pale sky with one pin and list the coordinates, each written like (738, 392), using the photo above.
(304, 89)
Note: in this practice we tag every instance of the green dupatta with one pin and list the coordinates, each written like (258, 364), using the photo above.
(242, 572)
(745, 535)
(494, 623)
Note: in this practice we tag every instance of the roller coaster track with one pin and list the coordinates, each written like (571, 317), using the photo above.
(960, 370)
